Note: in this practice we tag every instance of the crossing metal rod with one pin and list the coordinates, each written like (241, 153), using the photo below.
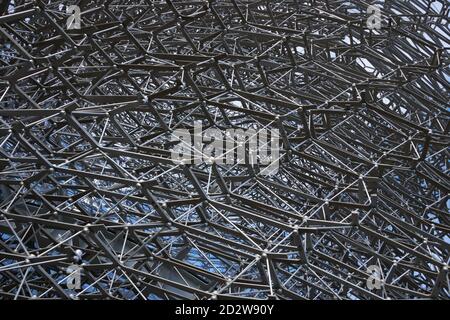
(88, 117)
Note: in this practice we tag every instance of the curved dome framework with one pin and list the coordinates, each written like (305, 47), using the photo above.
(86, 177)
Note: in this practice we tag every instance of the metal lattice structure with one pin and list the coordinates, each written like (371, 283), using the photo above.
(86, 178)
